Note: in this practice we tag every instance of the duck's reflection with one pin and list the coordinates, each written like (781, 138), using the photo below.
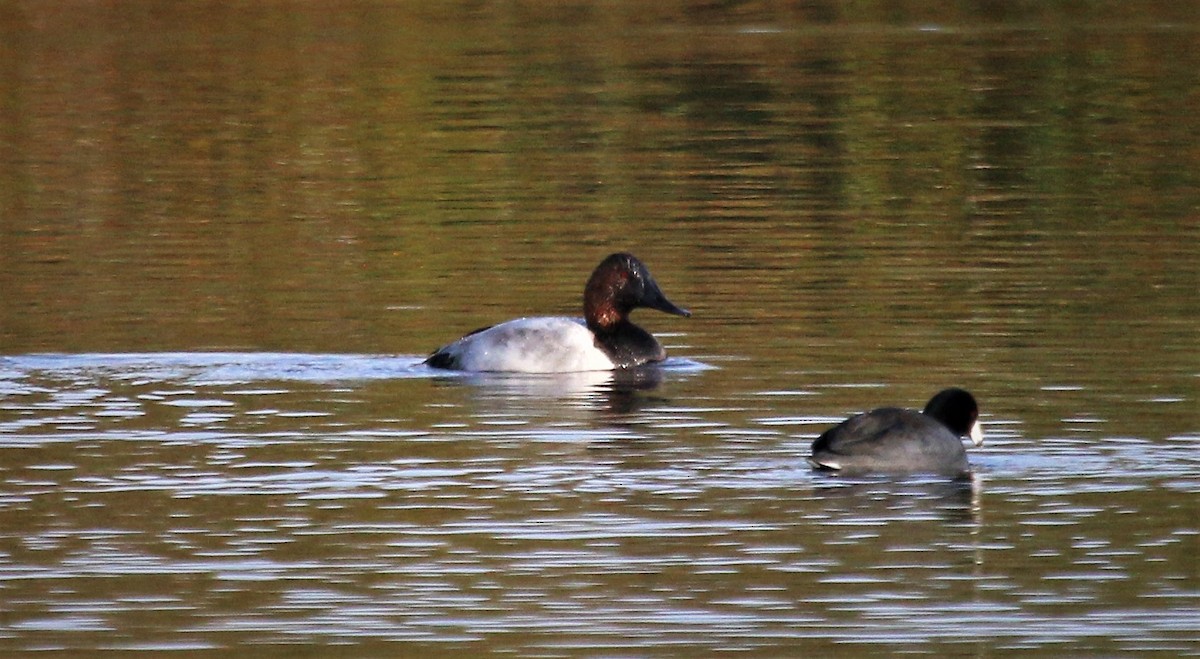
(612, 394)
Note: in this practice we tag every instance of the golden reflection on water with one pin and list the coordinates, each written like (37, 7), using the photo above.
(859, 205)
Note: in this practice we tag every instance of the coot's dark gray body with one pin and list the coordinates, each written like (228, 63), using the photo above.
(900, 440)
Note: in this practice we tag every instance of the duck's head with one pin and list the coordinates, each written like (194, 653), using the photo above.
(620, 284)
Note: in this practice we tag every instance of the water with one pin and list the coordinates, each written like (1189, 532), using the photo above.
(229, 235)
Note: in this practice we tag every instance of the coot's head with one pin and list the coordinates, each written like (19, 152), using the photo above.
(957, 409)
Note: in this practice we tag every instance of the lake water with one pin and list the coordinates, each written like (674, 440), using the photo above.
(230, 232)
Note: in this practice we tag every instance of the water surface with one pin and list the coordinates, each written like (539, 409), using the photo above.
(229, 235)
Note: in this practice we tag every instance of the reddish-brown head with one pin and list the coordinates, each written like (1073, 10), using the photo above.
(620, 284)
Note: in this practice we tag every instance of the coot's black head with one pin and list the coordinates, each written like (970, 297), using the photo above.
(957, 409)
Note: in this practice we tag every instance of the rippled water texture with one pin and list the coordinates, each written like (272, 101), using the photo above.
(229, 234)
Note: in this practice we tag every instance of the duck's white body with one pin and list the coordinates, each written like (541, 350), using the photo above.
(530, 345)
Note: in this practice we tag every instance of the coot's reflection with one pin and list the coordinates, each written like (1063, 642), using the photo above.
(887, 495)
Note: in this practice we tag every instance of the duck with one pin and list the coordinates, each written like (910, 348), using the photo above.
(893, 439)
(603, 340)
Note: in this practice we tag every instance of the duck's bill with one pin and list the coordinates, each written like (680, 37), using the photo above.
(977, 433)
(653, 298)
(665, 305)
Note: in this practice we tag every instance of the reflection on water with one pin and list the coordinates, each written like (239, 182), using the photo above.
(618, 393)
(205, 500)
(229, 233)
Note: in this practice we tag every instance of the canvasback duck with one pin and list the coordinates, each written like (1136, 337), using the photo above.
(603, 340)
(895, 439)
